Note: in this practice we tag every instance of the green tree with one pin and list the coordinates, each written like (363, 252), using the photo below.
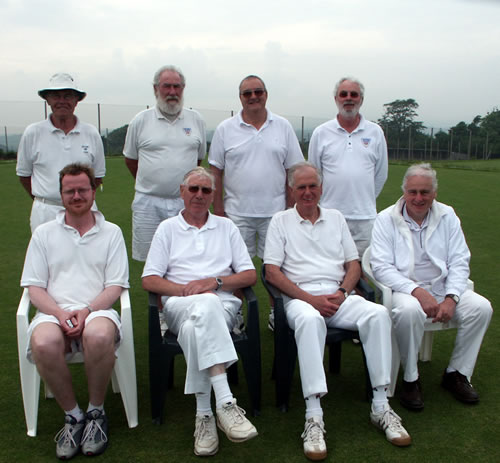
(399, 121)
(490, 132)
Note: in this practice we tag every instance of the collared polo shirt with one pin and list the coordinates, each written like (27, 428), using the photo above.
(166, 150)
(44, 150)
(310, 253)
(182, 253)
(354, 166)
(254, 163)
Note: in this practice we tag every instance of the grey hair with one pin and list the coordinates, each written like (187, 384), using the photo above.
(350, 79)
(168, 67)
(251, 76)
(200, 172)
(424, 169)
(302, 165)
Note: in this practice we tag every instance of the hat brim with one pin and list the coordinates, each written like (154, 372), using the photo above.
(42, 93)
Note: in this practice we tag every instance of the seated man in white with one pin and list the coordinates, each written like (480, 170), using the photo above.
(419, 251)
(197, 260)
(311, 258)
(75, 269)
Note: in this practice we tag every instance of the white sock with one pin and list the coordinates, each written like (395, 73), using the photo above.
(313, 406)
(379, 398)
(76, 413)
(203, 407)
(223, 394)
(450, 370)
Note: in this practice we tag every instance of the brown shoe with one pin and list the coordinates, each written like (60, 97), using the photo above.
(460, 387)
(411, 395)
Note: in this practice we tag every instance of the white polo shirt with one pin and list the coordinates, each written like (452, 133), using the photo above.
(75, 269)
(254, 163)
(44, 150)
(166, 150)
(354, 167)
(310, 253)
(182, 253)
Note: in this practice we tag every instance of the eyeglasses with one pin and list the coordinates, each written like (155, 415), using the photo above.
(195, 188)
(257, 91)
(345, 93)
(169, 86)
(80, 191)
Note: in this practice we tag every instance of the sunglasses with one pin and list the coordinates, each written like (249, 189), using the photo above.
(345, 93)
(257, 91)
(195, 188)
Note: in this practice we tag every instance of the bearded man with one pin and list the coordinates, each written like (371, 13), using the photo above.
(162, 144)
(351, 153)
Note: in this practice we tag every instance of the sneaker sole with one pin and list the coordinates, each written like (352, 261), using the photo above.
(398, 441)
(316, 456)
(206, 453)
(236, 439)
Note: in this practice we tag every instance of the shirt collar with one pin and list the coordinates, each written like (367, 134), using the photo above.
(209, 224)
(300, 219)
(411, 223)
(269, 118)
(75, 129)
(160, 115)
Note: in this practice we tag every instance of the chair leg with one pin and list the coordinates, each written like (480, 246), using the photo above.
(232, 374)
(334, 357)
(253, 373)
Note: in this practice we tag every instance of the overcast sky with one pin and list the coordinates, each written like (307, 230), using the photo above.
(442, 53)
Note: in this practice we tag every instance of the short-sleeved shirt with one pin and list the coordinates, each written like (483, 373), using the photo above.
(354, 166)
(75, 269)
(166, 150)
(44, 150)
(182, 253)
(310, 253)
(254, 163)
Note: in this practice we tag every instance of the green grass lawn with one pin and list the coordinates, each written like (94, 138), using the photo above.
(445, 431)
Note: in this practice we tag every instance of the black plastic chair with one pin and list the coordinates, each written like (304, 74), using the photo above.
(285, 348)
(163, 349)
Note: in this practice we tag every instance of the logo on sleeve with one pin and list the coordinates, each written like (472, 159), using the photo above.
(187, 131)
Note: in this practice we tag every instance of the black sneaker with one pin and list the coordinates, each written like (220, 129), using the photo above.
(95, 436)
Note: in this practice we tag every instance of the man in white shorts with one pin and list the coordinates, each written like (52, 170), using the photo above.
(75, 269)
(249, 156)
(47, 146)
(311, 258)
(162, 144)
(351, 153)
(419, 251)
(197, 260)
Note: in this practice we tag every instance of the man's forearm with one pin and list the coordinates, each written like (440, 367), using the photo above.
(161, 286)
(132, 165)
(26, 183)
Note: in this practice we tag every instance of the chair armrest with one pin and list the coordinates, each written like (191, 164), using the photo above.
(126, 316)
(22, 323)
(155, 338)
(252, 321)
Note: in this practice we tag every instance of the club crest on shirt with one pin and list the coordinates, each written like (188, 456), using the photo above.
(366, 141)
(187, 131)
(85, 149)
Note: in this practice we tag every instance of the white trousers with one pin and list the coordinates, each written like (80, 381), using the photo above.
(356, 313)
(472, 316)
(202, 323)
(148, 212)
(254, 232)
(361, 232)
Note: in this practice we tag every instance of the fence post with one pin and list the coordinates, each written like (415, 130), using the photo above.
(99, 117)
(6, 140)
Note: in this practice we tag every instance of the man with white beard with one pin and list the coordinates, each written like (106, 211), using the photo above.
(351, 153)
(162, 144)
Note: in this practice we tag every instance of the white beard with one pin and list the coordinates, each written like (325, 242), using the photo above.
(170, 109)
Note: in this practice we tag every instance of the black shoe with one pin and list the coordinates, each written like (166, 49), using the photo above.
(460, 387)
(411, 395)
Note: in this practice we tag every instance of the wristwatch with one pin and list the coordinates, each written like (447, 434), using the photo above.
(455, 298)
(219, 283)
(344, 291)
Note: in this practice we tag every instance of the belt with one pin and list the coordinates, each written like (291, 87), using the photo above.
(48, 201)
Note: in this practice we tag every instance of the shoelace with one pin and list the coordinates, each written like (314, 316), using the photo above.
(392, 420)
(90, 431)
(236, 413)
(204, 429)
(313, 432)
(66, 433)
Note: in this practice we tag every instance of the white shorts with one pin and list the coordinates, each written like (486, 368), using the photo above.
(361, 232)
(76, 345)
(254, 231)
(147, 213)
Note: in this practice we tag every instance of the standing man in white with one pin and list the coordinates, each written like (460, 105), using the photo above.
(163, 143)
(351, 153)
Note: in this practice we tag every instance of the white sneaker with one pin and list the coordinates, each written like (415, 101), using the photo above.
(388, 421)
(239, 323)
(270, 323)
(231, 419)
(163, 322)
(206, 440)
(314, 440)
